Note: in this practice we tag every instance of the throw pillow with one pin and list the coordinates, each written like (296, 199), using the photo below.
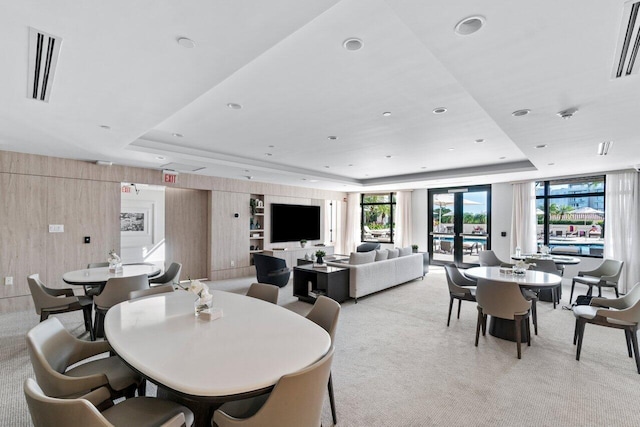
(381, 254)
(404, 251)
(393, 253)
(357, 258)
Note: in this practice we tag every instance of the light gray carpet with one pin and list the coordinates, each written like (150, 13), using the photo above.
(397, 364)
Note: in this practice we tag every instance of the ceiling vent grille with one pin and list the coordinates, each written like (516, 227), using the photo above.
(628, 41)
(44, 50)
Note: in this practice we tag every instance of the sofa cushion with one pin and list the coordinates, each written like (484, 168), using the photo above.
(381, 254)
(404, 251)
(357, 258)
(393, 253)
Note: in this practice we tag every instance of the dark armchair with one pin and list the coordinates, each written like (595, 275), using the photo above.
(271, 270)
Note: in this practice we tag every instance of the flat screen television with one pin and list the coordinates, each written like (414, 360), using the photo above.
(291, 223)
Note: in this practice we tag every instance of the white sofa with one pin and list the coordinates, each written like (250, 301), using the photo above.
(374, 276)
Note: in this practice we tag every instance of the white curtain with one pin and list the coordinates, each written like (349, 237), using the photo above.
(621, 240)
(523, 218)
(352, 230)
(403, 229)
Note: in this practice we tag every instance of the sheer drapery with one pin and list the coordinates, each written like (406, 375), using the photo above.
(523, 218)
(352, 229)
(621, 240)
(402, 216)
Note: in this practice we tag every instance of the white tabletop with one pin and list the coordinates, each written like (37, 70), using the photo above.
(531, 278)
(100, 275)
(249, 348)
(558, 259)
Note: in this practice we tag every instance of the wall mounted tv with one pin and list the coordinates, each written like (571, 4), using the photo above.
(291, 223)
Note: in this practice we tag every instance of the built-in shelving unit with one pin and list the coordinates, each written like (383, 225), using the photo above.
(256, 225)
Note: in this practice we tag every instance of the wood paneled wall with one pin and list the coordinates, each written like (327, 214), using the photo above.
(186, 231)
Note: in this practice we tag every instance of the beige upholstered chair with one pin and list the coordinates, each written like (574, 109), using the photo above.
(170, 277)
(488, 258)
(503, 300)
(606, 275)
(52, 349)
(49, 301)
(264, 291)
(619, 313)
(460, 288)
(160, 289)
(140, 411)
(115, 291)
(325, 313)
(295, 401)
(547, 266)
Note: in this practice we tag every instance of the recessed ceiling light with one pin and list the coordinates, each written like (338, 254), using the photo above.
(388, 157)
(479, 141)
(386, 113)
(247, 170)
(502, 158)
(423, 167)
(177, 135)
(160, 158)
(332, 137)
(106, 127)
(271, 146)
(450, 148)
(186, 43)
(520, 113)
(469, 25)
(439, 110)
(541, 146)
(313, 180)
(234, 106)
(551, 164)
(303, 179)
(350, 164)
(568, 113)
(327, 167)
(353, 44)
(268, 154)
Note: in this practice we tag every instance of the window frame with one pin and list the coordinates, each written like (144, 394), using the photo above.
(392, 205)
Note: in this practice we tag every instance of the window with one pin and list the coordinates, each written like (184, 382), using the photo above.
(377, 222)
(571, 215)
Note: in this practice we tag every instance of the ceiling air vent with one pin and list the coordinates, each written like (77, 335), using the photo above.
(628, 41)
(43, 58)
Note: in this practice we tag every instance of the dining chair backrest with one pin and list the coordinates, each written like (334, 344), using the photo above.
(325, 313)
(296, 399)
(117, 290)
(264, 291)
(501, 299)
(44, 298)
(488, 258)
(611, 268)
(160, 289)
(171, 275)
(456, 280)
(626, 301)
(97, 264)
(544, 265)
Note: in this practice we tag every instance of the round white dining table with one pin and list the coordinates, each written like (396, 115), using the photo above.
(558, 259)
(244, 352)
(100, 275)
(530, 279)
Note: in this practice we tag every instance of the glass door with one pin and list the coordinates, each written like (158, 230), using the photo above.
(459, 224)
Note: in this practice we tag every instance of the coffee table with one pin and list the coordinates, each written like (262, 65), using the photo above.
(332, 282)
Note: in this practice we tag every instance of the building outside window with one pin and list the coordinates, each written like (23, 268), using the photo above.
(377, 222)
(571, 215)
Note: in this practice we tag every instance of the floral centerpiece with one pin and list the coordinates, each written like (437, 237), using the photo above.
(544, 250)
(115, 263)
(520, 267)
(205, 299)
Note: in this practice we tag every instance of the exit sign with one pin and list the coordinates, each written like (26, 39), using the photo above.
(169, 177)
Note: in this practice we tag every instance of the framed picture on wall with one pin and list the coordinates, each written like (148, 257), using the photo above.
(135, 221)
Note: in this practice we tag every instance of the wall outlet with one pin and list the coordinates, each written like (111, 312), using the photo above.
(233, 263)
(56, 228)
(8, 281)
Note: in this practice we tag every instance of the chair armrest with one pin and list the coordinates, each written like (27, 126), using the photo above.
(97, 396)
(177, 420)
(616, 303)
(60, 301)
(67, 292)
(85, 349)
(626, 315)
(279, 272)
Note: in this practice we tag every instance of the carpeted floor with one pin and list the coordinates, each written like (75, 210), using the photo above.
(397, 364)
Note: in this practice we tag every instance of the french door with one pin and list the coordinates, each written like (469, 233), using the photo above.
(459, 224)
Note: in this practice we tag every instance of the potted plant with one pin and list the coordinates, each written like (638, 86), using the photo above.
(319, 255)
(414, 249)
(252, 203)
(303, 243)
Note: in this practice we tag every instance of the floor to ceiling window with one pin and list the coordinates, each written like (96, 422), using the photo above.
(571, 215)
(459, 224)
(377, 222)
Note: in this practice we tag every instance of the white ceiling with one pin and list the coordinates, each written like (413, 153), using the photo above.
(120, 65)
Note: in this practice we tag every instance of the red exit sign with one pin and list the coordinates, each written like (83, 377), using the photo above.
(169, 177)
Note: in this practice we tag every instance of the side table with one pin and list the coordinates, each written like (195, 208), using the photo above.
(332, 282)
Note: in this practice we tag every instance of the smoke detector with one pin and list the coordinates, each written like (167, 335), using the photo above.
(567, 114)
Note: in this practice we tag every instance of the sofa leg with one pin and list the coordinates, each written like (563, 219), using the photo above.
(356, 299)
